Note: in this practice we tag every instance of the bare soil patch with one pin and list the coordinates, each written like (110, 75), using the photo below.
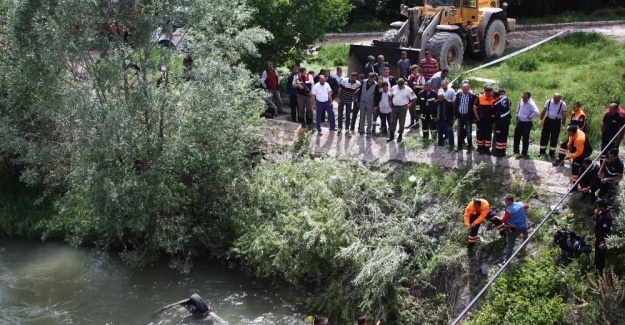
(517, 38)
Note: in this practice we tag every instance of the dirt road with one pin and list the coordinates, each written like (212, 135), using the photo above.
(517, 38)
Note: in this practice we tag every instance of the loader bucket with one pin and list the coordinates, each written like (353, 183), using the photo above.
(392, 53)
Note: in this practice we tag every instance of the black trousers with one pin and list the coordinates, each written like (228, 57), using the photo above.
(484, 134)
(605, 139)
(293, 104)
(522, 131)
(491, 216)
(599, 256)
(549, 134)
(355, 111)
(427, 123)
(502, 129)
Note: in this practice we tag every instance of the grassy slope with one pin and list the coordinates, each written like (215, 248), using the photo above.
(582, 67)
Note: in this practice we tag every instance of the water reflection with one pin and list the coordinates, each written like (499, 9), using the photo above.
(53, 283)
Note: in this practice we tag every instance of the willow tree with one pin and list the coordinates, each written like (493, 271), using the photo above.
(140, 154)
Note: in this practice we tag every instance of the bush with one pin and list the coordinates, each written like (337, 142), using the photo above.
(536, 293)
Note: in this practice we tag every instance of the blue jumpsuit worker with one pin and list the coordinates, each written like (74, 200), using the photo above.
(503, 116)
(477, 211)
(516, 219)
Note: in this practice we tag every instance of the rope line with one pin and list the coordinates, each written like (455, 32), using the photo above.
(506, 263)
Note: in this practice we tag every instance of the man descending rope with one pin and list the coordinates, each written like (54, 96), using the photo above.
(477, 211)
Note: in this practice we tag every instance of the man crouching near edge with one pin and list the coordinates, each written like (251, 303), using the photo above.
(514, 217)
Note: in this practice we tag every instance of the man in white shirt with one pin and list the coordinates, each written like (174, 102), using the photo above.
(322, 101)
(526, 111)
(338, 75)
(449, 92)
(401, 98)
(554, 115)
(385, 109)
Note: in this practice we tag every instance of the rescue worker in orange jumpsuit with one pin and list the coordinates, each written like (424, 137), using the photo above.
(477, 211)
(578, 118)
(579, 149)
(484, 114)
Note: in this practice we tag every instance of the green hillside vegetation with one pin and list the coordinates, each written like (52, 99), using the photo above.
(582, 67)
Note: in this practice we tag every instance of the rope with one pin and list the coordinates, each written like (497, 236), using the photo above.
(506, 263)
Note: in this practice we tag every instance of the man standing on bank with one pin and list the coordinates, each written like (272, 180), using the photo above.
(369, 99)
(464, 102)
(526, 111)
(322, 99)
(555, 111)
(444, 119)
(401, 98)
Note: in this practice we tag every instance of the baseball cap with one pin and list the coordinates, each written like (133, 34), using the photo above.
(401, 81)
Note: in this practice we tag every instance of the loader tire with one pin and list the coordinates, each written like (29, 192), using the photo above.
(447, 48)
(390, 36)
(494, 39)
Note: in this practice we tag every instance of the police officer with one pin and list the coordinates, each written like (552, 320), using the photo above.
(603, 225)
(503, 117)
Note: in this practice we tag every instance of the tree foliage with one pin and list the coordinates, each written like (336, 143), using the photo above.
(295, 26)
(135, 156)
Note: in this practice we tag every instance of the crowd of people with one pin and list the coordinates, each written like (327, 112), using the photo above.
(422, 91)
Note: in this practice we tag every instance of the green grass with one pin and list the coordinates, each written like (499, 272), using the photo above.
(578, 66)
(329, 56)
(365, 26)
(570, 16)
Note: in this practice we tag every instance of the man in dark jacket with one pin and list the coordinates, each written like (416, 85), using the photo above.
(425, 100)
(444, 118)
(603, 226)
(370, 66)
(503, 117)
(292, 92)
(463, 103)
(590, 182)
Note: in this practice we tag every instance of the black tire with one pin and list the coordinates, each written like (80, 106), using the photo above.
(494, 39)
(390, 36)
(200, 306)
(447, 48)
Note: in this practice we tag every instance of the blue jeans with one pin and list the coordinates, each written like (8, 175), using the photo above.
(512, 239)
(325, 106)
(348, 114)
(464, 130)
(445, 127)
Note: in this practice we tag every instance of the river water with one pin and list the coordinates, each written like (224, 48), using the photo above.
(54, 283)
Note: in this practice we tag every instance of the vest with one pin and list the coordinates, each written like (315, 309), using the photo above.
(517, 215)
(368, 94)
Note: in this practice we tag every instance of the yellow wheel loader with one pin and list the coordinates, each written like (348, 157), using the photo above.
(446, 28)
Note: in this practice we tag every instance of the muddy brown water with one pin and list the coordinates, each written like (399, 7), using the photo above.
(54, 283)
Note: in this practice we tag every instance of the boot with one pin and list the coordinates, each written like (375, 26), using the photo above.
(557, 163)
(391, 138)
(399, 139)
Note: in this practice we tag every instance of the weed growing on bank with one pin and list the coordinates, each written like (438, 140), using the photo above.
(365, 242)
